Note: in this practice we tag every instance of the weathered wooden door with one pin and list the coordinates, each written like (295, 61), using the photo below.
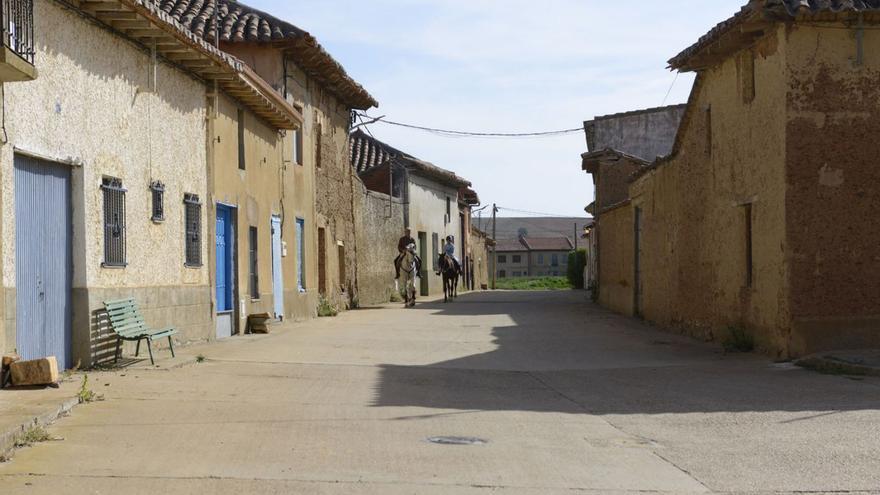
(277, 270)
(43, 260)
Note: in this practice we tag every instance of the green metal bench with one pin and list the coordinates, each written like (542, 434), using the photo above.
(128, 324)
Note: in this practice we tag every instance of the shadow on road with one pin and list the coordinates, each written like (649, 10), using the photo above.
(564, 354)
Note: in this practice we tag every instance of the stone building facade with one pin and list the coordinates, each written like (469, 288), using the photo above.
(726, 231)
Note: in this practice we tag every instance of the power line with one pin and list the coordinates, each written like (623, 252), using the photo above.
(538, 213)
(454, 133)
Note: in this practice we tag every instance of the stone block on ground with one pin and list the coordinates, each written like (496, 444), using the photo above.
(35, 372)
(259, 323)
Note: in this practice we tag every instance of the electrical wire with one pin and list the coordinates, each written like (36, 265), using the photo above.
(527, 212)
(468, 134)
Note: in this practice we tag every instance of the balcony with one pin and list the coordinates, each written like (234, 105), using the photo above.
(17, 54)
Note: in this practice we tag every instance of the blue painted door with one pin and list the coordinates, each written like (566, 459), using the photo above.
(224, 259)
(43, 260)
(277, 272)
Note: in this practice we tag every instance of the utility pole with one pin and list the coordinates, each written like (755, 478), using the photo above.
(494, 249)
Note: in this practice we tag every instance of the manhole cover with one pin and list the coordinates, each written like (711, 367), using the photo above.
(458, 441)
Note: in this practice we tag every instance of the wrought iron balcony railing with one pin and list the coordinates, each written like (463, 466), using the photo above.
(17, 22)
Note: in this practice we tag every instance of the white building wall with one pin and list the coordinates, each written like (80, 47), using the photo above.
(427, 213)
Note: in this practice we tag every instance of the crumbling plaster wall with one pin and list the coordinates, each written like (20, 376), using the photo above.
(612, 181)
(693, 244)
(382, 226)
(833, 198)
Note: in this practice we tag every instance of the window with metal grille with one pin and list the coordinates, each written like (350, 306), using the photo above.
(193, 217)
(517, 258)
(298, 146)
(253, 272)
(114, 222)
(158, 192)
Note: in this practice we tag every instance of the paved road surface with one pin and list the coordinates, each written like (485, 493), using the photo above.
(569, 398)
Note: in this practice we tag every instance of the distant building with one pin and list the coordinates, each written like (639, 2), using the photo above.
(533, 257)
(512, 228)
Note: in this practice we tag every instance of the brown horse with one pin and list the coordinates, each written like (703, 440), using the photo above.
(451, 273)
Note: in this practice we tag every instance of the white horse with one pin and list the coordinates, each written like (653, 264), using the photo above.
(408, 267)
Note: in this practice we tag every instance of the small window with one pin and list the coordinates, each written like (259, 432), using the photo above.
(114, 222)
(319, 134)
(448, 209)
(502, 258)
(241, 158)
(193, 213)
(746, 68)
(298, 146)
(502, 274)
(517, 274)
(517, 258)
(749, 265)
(540, 259)
(300, 255)
(158, 192)
(554, 260)
(253, 266)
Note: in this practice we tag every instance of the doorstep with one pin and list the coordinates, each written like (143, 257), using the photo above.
(22, 408)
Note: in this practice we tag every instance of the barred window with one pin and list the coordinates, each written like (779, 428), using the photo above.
(254, 278)
(158, 192)
(114, 222)
(193, 242)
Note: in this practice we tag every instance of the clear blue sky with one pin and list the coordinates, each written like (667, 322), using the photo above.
(508, 66)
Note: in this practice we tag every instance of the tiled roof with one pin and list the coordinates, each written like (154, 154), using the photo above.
(242, 23)
(548, 243)
(762, 11)
(509, 245)
(367, 153)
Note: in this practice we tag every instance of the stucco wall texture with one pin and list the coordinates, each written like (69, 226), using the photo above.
(382, 221)
(103, 113)
(427, 213)
(833, 195)
(646, 134)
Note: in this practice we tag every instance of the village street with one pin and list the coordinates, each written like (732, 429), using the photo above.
(568, 397)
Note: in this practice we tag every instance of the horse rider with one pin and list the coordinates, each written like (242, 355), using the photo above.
(402, 244)
(449, 250)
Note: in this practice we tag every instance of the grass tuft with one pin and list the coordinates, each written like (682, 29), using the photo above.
(326, 308)
(538, 283)
(738, 340)
(34, 434)
(85, 394)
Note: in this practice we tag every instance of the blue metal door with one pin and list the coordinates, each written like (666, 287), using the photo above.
(43, 260)
(277, 272)
(224, 259)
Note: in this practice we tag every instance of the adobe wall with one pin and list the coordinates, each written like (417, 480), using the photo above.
(479, 252)
(833, 198)
(616, 268)
(693, 250)
(612, 182)
(382, 221)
